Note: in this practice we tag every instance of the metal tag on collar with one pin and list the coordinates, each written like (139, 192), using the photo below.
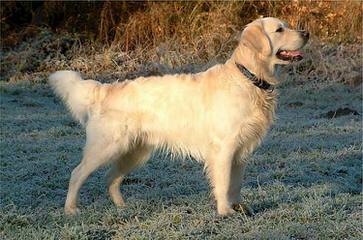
(270, 89)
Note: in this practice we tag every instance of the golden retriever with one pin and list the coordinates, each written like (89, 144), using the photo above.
(218, 116)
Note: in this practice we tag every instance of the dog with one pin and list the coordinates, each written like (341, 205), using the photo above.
(218, 116)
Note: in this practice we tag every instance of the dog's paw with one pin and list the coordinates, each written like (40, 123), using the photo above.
(120, 204)
(225, 211)
(118, 201)
(71, 211)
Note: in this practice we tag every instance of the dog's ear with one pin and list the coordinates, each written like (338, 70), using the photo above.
(256, 39)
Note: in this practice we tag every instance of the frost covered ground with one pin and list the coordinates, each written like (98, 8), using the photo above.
(304, 182)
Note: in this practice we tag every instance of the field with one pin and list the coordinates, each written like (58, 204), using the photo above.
(303, 182)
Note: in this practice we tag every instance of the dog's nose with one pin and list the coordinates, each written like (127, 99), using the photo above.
(305, 34)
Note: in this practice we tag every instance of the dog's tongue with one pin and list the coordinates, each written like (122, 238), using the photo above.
(292, 53)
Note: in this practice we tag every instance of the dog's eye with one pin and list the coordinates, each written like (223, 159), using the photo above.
(280, 29)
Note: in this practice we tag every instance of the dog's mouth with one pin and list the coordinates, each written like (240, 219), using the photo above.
(290, 55)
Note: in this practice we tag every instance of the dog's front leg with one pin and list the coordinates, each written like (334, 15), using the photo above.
(219, 165)
(237, 170)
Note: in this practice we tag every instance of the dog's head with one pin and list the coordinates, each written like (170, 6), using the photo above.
(266, 42)
(272, 40)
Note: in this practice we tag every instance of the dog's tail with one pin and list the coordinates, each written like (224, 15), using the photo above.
(78, 94)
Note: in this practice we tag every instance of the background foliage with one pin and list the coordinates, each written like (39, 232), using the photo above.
(128, 39)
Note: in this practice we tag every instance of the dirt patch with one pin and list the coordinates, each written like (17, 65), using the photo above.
(339, 113)
(295, 104)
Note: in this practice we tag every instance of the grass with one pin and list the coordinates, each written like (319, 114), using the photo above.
(304, 182)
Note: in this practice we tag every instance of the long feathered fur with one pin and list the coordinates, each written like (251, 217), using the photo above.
(78, 94)
(218, 116)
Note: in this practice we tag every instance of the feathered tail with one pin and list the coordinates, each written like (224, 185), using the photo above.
(78, 94)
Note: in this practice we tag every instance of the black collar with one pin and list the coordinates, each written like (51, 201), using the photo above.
(260, 83)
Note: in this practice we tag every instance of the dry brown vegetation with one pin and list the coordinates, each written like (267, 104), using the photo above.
(118, 40)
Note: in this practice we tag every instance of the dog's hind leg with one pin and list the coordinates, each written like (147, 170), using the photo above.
(99, 150)
(121, 167)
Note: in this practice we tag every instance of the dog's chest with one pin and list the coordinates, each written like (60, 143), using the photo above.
(255, 125)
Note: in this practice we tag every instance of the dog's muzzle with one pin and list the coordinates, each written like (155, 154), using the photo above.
(293, 55)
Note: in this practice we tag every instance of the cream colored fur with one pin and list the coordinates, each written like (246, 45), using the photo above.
(217, 116)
